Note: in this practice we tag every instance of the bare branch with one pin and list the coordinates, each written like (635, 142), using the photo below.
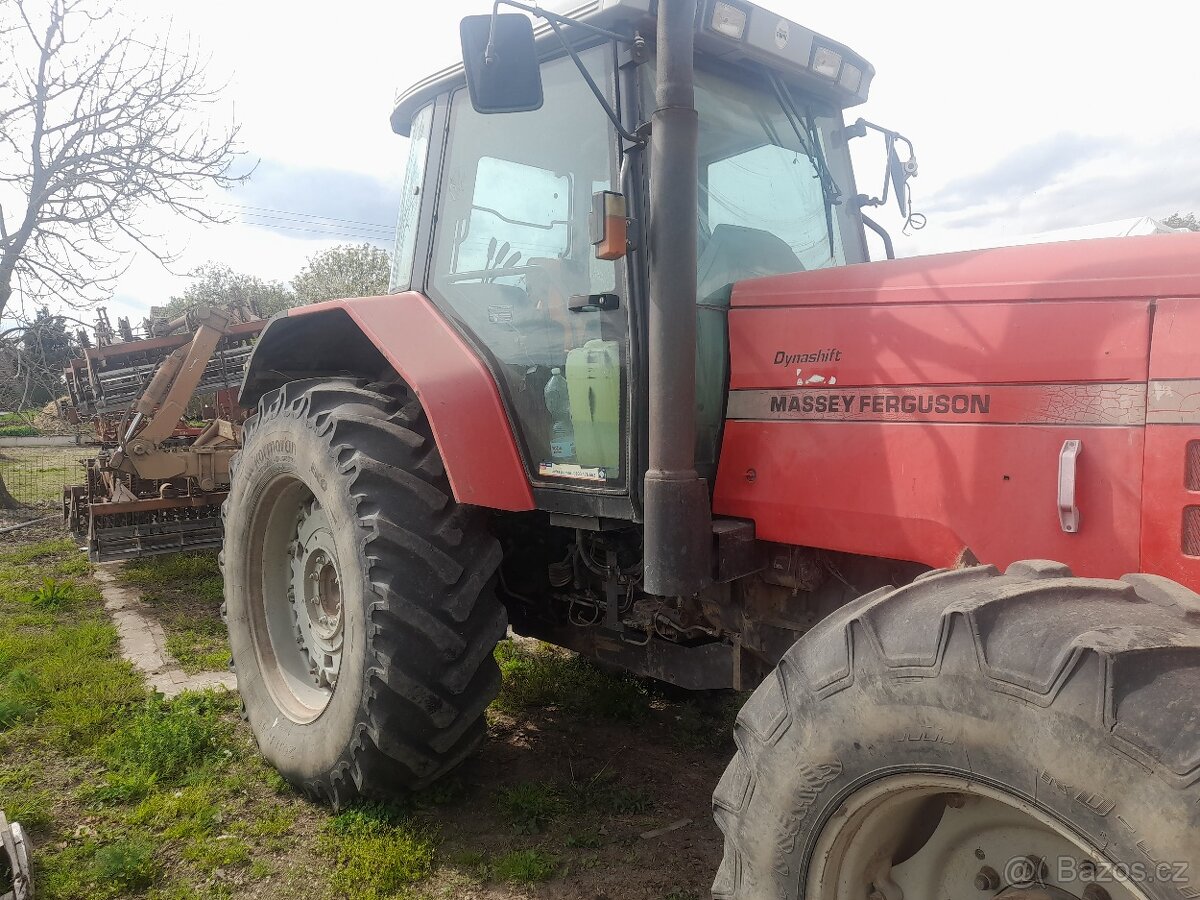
(98, 124)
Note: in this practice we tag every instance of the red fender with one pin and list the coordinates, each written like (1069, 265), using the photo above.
(366, 336)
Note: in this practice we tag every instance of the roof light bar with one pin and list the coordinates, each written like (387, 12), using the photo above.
(826, 62)
(729, 19)
(851, 78)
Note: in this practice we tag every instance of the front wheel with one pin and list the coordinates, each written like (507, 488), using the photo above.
(1027, 736)
(359, 597)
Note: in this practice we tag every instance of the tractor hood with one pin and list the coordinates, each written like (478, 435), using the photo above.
(1157, 266)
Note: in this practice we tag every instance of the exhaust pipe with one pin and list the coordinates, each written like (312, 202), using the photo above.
(678, 517)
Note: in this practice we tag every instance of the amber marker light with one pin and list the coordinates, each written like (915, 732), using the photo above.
(609, 225)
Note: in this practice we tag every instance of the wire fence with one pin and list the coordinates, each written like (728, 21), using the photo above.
(36, 476)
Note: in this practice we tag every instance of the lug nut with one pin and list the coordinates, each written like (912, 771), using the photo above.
(988, 879)
(1095, 892)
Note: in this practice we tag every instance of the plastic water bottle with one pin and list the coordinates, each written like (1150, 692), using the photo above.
(562, 433)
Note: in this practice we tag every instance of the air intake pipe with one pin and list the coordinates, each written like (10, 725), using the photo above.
(678, 518)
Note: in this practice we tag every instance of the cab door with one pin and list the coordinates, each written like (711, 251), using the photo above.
(512, 265)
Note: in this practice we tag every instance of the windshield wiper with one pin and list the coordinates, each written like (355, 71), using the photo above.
(810, 143)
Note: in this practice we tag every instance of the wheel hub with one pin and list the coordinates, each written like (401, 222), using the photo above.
(315, 594)
(974, 841)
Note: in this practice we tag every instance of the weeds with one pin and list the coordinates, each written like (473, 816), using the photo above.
(170, 739)
(178, 815)
(196, 651)
(196, 573)
(376, 851)
(701, 724)
(524, 866)
(543, 676)
(222, 852)
(130, 863)
(601, 794)
(53, 594)
(529, 806)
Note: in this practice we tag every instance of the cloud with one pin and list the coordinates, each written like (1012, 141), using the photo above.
(1024, 171)
(317, 203)
(1071, 180)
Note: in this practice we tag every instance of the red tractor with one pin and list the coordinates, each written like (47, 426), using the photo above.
(638, 391)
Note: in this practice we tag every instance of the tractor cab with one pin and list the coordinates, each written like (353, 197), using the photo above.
(529, 229)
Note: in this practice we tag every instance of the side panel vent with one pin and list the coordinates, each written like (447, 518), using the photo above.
(1191, 473)
(1191, 531)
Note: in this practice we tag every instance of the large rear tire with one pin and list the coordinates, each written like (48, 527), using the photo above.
(359, 594)
(974, 734)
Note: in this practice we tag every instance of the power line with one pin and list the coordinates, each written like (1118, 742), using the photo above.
(327, 233)
(253, 219)
(302, 215)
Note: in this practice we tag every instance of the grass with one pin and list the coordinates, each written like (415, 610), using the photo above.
(197, 573)
(170, 740)
(122, 790)
(128, 794)
(377, 851)
(18, 431)
(127, 863)
(529, 866)
(17, 425)
(530, 806)
(184, 592)
(538, 675)
(35, 476)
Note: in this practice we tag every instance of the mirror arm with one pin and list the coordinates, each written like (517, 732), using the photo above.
(556, 22)
(881, 231)
(553, 18)
(599, 95)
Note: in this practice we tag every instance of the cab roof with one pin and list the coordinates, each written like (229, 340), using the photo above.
(808, 60)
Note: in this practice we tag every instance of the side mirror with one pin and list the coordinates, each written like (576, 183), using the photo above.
(899, 173)
(503, 74)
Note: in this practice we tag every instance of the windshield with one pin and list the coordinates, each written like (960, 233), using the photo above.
(765, 196)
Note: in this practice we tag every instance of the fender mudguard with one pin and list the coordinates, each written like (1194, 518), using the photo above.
(373, 337)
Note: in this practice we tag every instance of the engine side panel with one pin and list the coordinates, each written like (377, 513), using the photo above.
(1171, 507)
(929, 430)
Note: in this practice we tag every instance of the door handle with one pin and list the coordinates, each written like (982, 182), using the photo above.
(1068, 511)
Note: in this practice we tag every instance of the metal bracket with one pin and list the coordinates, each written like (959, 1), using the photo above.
(1068, 512)
(15, 850)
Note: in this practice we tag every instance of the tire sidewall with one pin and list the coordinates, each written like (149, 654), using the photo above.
(1056, 758)
(285, 442)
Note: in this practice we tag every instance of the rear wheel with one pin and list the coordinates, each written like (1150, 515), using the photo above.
(359, 595)
(1031, 736)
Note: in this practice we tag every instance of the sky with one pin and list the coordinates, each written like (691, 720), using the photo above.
(1026, 116)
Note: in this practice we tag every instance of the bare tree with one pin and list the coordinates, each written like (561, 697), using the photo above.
(97, 123)
(100, 121)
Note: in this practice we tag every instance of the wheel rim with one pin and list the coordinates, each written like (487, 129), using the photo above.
(298, 616)
(909, 837)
